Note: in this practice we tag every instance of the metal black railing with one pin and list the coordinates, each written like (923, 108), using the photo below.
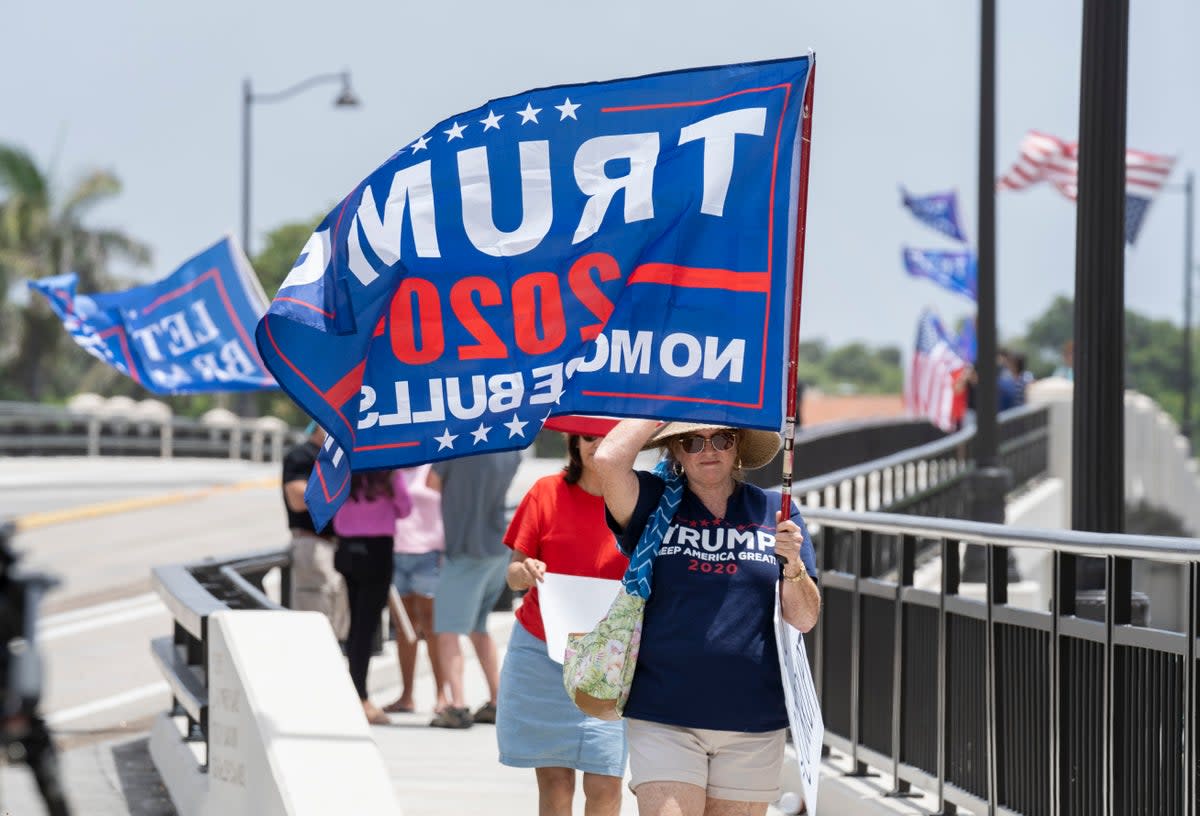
(928, 480)
(191, 593)
(999, 709)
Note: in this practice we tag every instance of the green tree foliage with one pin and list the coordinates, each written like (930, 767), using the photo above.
(280, 251)
(853, 368)
(272, 264)
(42, 233)
(1153, 352)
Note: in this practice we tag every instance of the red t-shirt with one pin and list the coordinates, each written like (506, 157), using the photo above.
(564, 526)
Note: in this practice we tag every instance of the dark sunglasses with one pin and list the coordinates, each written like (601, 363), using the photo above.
(720, 441)
(586, 438)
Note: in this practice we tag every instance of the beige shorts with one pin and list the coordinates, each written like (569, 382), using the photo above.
(732, 765)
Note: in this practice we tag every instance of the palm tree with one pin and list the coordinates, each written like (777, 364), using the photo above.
(43, 234)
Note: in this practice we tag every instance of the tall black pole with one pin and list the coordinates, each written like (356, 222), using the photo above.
(985, 321)
(247, 101)
(1098, 478)
(1188, 272)
(243, 401)
(990, 482)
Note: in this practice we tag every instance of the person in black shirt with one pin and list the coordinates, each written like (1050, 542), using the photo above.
(316, 585)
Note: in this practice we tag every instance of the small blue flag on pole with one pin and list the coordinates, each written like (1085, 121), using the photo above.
(967, 344)
(623, 248)
(188, 333)
(956, 270)
(937, 210)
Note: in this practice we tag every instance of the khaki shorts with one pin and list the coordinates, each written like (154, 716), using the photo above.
(316, 585)
(732, 765)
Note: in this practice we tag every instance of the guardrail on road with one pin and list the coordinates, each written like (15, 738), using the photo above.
(137, 429)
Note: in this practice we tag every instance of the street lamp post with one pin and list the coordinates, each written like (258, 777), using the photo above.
(345, 99)
(990, 481)
(1188, 272)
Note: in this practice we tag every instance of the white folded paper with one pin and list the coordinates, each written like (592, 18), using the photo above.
(572, 603)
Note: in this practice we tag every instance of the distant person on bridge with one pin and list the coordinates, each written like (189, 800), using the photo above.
(366, 531)
(706, 717)
(1066, 369)
(416, 565)
(1010, 387)
(473, 494)
(316, 585)
(559, 527)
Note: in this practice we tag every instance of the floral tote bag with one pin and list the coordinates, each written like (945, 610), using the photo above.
(598, 666)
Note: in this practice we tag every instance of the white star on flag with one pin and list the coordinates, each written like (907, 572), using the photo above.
(567, 109)
(516, 427)
(480, 433)
(446, 440)
(492, 121)
(419, 144)
(529, 114)
(455, 132)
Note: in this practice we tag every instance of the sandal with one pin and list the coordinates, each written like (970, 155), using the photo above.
(396, 707)
(452, 718)
(486, 713)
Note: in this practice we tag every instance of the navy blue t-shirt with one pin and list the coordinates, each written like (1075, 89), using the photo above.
(708, 656)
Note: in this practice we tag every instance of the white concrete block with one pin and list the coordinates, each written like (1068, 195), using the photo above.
(178, 765)
(285, 721)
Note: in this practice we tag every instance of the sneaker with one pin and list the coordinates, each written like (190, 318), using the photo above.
(452, 718)
(486, 713)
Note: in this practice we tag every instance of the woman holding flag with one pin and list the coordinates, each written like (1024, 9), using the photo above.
(559, 528)
(706, 715)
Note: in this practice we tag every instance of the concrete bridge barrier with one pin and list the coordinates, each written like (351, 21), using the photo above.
(286, 733)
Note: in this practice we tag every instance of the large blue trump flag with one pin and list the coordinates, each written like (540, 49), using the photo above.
(622, 248)
(188, 333)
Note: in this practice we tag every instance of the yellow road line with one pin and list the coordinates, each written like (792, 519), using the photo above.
(34, 521)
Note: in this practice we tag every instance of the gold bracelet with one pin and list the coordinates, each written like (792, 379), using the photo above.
(795, 579)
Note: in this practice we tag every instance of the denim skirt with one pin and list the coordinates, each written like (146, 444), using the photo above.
(537, 725)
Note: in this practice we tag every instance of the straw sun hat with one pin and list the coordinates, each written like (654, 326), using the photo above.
(755, 447)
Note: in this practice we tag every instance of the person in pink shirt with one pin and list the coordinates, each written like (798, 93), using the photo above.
(417, 562)
(366, 527)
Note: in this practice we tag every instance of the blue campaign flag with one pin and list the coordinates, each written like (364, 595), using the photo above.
(967, 344)
(937, 210)
(953, 270)
(621, 248)
(186, 334)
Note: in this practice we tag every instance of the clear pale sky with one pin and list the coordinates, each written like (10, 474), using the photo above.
(152, 91)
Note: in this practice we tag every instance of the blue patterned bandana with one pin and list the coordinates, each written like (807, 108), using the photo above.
(641, 563)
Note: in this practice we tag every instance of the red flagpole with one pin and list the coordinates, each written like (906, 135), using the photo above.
(789, 430)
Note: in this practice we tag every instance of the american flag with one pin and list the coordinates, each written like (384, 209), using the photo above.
(936, 366)
(1050, 159)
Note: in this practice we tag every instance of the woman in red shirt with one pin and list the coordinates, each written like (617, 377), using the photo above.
(560, 528)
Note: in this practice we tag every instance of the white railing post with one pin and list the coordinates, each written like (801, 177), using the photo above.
(93, 435)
